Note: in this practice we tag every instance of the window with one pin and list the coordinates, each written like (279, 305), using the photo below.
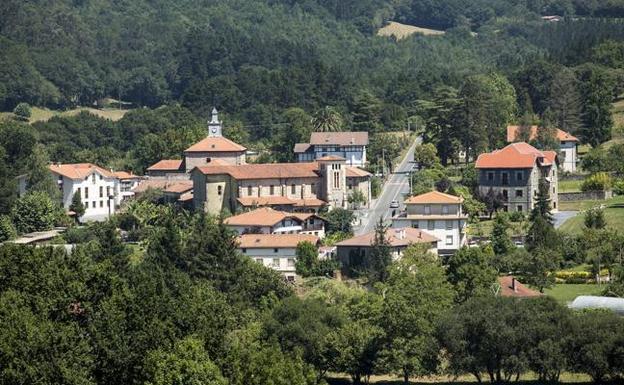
(313, 188)
(430, 225)
(291, 262)
(519, 175)
(101, 192)
(275, 250)
(490, 176)
(427, 209)
(78, 192)
(108, 203)
(101, 177)
(337, 180)
(519, 208)
(249, 190)
(505, 195)
(449, 239)
(519, 193)
(272, 190)
(93, 204)
(445, 209)
(415, 225)
(92, 178)
(259, 260)
(449, 225)
(108, 191)
(244, 250)
(101, 203)
(276, 262)
(219, 190)
(505, 177)
(553, 190)
(86, 193)
(505, 208)
(293, 189)
(208, 160)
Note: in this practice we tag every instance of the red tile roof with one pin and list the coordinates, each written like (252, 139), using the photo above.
(179, 187)
(521, 291)
(215, 144)
(124, 175)
(301, 147)
(309, 202)
(562, 136)
(516, 155)
(264, 171)
(265, 216)
(396, 238)
(359, 138)
(166, 165)
(274, 241)
(434, 197)
(79, 170)
(355, 172)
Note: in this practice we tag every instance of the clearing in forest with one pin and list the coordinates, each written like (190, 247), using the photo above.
(401, 31)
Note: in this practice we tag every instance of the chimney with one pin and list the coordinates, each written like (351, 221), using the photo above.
(514, 287)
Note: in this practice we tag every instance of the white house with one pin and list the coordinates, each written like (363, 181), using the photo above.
(568, 154)
(277, 251)
(348, 145)
(266, 220)
(126, 182)
(100, 190)
(439, 214)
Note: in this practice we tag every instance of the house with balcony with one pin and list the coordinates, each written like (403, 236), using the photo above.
(513, 173)
(276, 251)
(354, 253)
(568, 145)
(266, 220)
(126, 182)
(348, 145)
(441, 215)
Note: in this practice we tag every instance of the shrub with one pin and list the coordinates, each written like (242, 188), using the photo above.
(7, 230)
(516, 216)
(600, 181)
(618, 187)
(34, 212)
(22, 111)
(78, 235)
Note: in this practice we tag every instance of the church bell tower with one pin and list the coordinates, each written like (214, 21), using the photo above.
(214, 125)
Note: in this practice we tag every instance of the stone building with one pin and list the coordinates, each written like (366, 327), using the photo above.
(514, 173)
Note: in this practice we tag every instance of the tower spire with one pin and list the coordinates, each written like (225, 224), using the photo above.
(214, 125)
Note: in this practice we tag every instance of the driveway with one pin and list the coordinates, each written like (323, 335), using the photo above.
(562, 216)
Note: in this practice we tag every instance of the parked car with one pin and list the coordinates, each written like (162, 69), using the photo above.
(394, 204)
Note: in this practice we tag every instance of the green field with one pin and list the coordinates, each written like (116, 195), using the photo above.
(614, 214)
(401, 31)
(44, 114)
(565, 293)
(570, 185)
(484, 228)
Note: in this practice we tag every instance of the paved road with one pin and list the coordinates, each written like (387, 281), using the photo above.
(394, 189)
(562, 216)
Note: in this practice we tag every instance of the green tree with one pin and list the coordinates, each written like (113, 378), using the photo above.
(8, 186)
(500, 239)
(339, 220)
(296, 129)
(366, 109)
(597, 95)
(7, 230)
(565, 101)
(594, 218)
(356, 198)
(379, 256)
(34, 212)
(39, 178)
(471, 273)
(539, 267)
(186, 363)
(426, 155)
(327, 119)
(22, 111)
(416, 295)
(76, 205)
(307, 259)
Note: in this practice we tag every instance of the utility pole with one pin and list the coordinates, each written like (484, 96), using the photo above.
(383, 162)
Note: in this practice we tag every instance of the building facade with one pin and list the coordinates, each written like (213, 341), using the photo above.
(348, 145)
(278, 252)
(441, 215)
(568, 145)
(266, 220)
(513, 175)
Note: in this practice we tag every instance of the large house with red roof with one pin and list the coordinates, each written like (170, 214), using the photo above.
(568, 155)
(222, 180)
(439, 214)
(348, 145)
(513, 173)
(266, 220)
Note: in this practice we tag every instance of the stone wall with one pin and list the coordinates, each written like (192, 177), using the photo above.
(585, 196)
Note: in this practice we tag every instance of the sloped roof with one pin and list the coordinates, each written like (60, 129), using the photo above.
(356, 172)
(515, 155)
(125, 175)
(274, 241)
(301, 147)
(264, 216)
(434, 197)
(215, 144)
(166, 165)
(329, 158)
(309, 202)
(507, 288)
(79, 170)
(358, 138)
(562, 136)
(179, 187)
(396, 237)
(264, 171)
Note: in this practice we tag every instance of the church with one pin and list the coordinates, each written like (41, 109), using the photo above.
(222, 180)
